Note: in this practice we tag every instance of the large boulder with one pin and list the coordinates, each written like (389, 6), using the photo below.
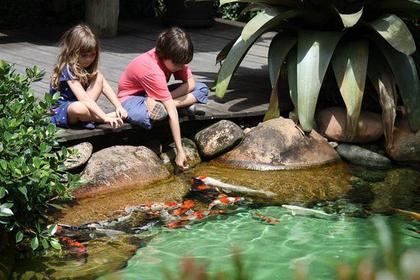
(218, 138)
(406, 144)
(117, 167)
(332, 124)
(279, 144)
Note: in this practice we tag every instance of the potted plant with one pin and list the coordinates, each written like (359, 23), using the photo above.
(188, 13)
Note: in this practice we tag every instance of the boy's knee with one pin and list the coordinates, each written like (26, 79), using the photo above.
(201, 92)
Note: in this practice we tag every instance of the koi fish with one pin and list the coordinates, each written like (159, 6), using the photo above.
(177, 224)
(157, 206)
(73, 246)
(269, 220)
(302, 211)
(186, 205)
(224, 201)
(410, 214)
(232, 188)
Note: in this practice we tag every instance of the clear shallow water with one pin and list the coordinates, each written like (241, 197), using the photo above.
(268, 251)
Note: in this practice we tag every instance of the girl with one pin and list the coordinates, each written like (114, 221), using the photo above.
(77, 78)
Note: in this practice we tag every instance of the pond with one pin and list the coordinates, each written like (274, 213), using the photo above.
(296, 243)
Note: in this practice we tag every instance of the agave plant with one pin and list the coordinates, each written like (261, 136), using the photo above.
(356, 38)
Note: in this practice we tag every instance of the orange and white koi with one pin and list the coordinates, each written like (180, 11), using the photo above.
(225, 201)
(186, 205)
(269, 220)
(157, 206)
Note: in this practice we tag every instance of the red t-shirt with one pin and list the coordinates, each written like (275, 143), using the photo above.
(147, 73)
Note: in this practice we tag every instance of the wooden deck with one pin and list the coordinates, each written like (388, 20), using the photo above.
(248, 91)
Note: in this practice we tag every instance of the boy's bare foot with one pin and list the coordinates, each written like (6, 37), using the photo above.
(157, 111)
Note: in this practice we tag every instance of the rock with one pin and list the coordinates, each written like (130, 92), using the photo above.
(190, 149)
(332, 123)
(361, 156)
(83, 151)
(279, 144)
(218, 138)
(117, 167)
(406, 144)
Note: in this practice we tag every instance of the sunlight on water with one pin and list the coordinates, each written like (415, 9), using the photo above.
(268, 251)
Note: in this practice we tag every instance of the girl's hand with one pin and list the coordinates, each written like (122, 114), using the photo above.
(121, 112)
(181, 161)
(114, 122)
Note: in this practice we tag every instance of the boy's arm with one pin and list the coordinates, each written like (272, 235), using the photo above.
(184, 88)
(180, 160)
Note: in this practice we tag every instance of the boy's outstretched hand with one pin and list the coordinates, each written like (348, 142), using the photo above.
(121, 112)
(181, 161)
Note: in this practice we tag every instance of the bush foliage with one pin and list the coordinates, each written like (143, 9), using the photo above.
(32, 173)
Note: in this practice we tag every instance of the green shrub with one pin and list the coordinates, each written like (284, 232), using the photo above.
(32, 173)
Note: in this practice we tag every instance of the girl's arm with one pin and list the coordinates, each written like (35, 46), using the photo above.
(112, 97)
(180, 160)
(83, 97)
(184, 88)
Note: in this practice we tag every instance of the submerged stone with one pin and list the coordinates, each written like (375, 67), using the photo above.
(117, 167)
(191, 152)
(83, 151)
(218, 138)
(361, 156)
(279, 144)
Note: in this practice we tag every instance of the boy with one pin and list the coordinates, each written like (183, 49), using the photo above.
(143, 90)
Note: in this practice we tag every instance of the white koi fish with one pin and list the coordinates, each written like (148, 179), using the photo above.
(302, 211)
(233, 188)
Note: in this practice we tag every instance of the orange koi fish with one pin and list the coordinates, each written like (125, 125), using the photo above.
(269, 220)
(410, 214)
(73, 246)
(186, 205)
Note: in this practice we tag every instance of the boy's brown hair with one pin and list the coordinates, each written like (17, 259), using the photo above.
(175, 44)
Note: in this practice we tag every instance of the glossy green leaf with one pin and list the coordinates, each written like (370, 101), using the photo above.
(24, 191)
(257, 22)
(19, 236)
(315, 49)
(407, 8)
(382, 79)
(287, 3)
(407, 79)
(395, 32)
(44, 243)
(34, 243)
(55, 244)
(350, 20)
(52, 229)
(3, 192)
(238, 51)
(5, 212)
(350, 65)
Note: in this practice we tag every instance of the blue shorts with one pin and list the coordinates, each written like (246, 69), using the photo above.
(138, 113)
(60, 117)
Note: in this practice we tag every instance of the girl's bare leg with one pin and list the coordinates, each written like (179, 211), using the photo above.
(78, 112)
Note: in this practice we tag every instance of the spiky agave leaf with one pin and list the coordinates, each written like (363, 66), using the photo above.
(352, 19)
(241, 47)
(395, 32)
(315, 49)
(382, 79)
(279, 48)
(404, 69)
(350, 65)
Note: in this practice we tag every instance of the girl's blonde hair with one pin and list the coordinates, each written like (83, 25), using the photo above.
(79, 39)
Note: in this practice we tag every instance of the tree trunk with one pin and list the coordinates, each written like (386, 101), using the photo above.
(102, 16)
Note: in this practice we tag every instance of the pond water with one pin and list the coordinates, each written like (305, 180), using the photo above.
(268, 251)
(277, 251)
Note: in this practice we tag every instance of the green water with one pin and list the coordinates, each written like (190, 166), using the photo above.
(268, 251)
